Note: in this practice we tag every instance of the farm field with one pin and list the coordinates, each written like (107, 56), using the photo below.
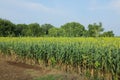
(97, 58)
(60, 40)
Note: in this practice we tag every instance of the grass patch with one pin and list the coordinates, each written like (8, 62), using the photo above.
(50, 77)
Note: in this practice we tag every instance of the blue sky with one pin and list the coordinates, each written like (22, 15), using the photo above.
(59, 12)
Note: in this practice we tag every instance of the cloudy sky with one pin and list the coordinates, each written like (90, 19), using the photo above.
(59, 12)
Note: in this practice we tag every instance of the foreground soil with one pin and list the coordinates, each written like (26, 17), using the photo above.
(10, 70)
(16, 71)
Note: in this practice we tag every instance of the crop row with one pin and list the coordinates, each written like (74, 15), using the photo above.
(95, 56)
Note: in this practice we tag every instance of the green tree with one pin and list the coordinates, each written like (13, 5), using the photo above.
(85, 34)
(95, 30)
(34, 30)
(21, 30)
(45, 28)
(61, 32)
(108, 34)
(56, 32)
(73, 29)
(7, 28)
(53, 32)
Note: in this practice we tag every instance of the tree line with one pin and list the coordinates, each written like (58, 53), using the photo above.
(71, 29)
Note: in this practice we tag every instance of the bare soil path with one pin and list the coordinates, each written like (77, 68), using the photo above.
(18, 71)
(10, 70)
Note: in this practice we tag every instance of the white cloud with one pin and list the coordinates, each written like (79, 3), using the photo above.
(115, 5)
(111, 5)
(31, 6)
(36, 6)
(95, 5)
(27, 5)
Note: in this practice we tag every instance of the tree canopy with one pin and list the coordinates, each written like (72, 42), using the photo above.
(71, 29)
(95, 29)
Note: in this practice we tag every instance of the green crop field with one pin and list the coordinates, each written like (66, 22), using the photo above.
(91, 56)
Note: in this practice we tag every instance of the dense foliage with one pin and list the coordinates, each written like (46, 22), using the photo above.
(72, 29)
(93, 56)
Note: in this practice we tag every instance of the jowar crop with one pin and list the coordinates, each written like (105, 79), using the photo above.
(96, 56)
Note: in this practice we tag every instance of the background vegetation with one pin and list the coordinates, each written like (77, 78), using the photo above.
(72, 29)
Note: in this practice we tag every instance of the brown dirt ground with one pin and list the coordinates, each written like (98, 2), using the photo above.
(10, 70)
(18, 71)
